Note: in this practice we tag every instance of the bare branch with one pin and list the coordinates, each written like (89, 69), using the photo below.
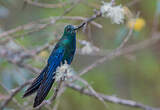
(13, 93)
(119, 52)
(128, 36)
(112, 99)
(91, 90)
(96, 15)
(33, 24)
(44, 5)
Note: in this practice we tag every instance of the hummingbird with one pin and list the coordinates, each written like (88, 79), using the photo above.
(63, 52)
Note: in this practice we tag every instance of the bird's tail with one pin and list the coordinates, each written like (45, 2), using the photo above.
(44, 89)
(36, 84)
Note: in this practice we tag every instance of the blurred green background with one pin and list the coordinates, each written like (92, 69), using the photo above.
(134, 76)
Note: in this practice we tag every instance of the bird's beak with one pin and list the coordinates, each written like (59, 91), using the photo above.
(75, 28)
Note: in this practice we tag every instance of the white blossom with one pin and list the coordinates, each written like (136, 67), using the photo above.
(88, 47)
(115, 13)
(64, 71)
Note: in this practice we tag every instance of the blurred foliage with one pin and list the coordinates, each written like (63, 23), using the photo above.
(134, 76)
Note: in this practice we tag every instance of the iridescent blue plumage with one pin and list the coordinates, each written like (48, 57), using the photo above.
(63, 52)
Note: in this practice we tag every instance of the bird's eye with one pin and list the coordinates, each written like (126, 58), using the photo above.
(68, 30)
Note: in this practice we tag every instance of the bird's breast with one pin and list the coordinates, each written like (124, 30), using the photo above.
(69, 52)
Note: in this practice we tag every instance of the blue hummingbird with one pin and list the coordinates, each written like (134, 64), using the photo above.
(63, 52)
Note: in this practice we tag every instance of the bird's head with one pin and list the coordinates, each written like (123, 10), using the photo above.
(70, 30)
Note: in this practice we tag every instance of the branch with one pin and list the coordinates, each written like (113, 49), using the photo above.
(116, 53)
(34, 23)
(129, 34)
(44, 5)
(112, 99)
(91, 90)
(111, 55)
(96, 15)
(13, 93)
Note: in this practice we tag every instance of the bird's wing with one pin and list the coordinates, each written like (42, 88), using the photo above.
(48, 78)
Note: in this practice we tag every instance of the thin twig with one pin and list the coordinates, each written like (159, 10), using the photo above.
(112, 99)
(13, 93)
(45, 5)
(91, 90)
(34, 23)
(129, 35)
(95, 16)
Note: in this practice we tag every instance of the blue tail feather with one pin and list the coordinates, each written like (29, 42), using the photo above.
(45, 86)
(49, 76)
(36, 83)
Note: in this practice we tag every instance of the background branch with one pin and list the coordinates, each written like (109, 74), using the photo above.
(19, 57)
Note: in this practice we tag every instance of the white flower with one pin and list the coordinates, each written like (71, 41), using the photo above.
(116, 13)
(64, 71)
(88, 47)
